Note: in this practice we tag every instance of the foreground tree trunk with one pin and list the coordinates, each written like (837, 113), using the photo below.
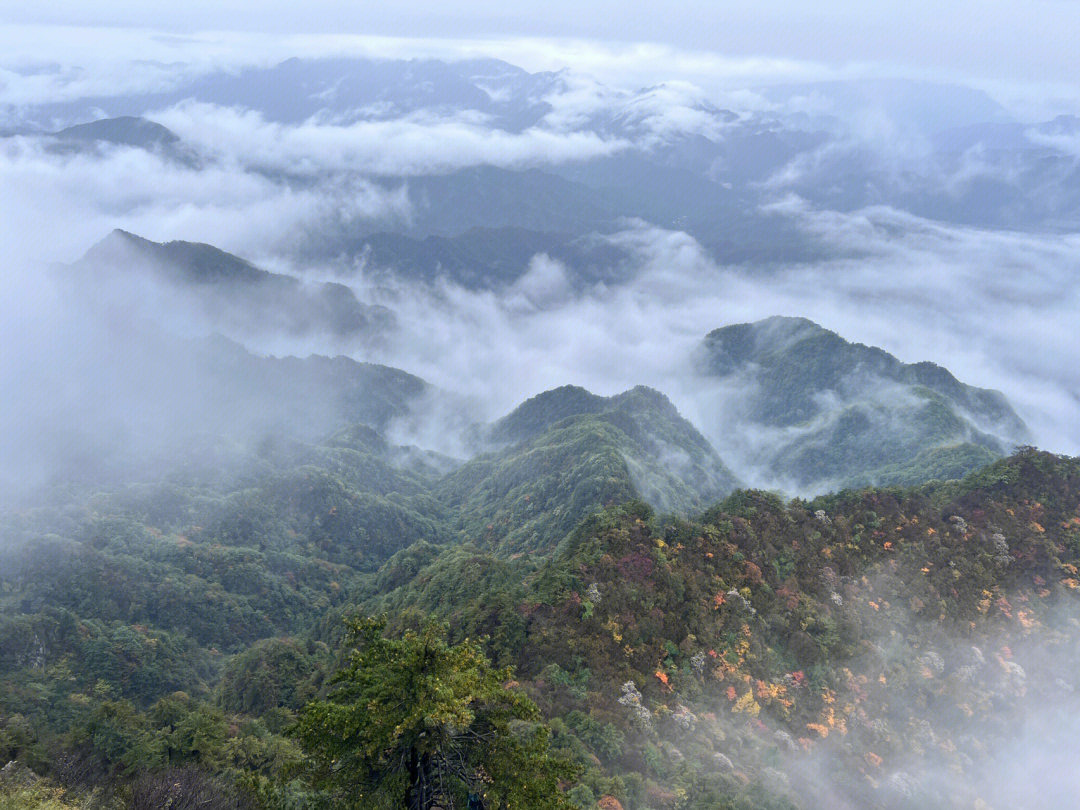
(421, 790)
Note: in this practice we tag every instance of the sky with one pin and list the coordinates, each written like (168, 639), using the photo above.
(1034, 39)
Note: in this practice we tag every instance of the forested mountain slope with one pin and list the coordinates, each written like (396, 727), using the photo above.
(833, 413)
(871, 648)
(220, 290)
(568, 452)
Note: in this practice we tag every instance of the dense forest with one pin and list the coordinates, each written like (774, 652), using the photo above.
(876, 647)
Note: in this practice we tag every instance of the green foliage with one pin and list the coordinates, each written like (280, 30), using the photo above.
(271, 674)
(576, 453)
(182, 625)
(861, 416)
(415, 722)
(36, 797)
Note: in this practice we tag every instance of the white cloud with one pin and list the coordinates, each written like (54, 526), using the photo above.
(417, 144)
(121, 56)
(54, 207)
(997, 309)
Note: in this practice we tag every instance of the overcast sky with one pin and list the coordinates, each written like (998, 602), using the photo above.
(1001, 42)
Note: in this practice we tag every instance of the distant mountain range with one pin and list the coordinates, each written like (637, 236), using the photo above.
(222, 290)
(783, 399)
(944, 152)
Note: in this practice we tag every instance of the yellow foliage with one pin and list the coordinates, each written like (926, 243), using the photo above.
(747, 705)
(37, 797)
(612, 627)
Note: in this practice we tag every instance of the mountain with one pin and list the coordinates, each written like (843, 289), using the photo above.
(566, 452)
(481, 258)
(123, 131)
(676, 159)
(923, 107)
(725, 219)
(488, 196)
(455, 211)
(736, 658)
(1010, 188)
(253, 493)
(223, 290)
(826, 412)
(203, 490)
(135, 405)
(306, 395)
(834, 653)
(342, 90)
(132, 131)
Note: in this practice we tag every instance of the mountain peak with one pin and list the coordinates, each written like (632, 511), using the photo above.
(125, 130)
(843, 412)
(539, 412)
(731, 346)
(188, 261)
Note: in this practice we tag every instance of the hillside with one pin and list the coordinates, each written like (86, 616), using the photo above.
(874, 648)
(871, 649)
(221, 291)
(567, 453)
(198, 407)
(387, 425)
(93, 138)
(122, 131)
(480, 258)
(833, 413)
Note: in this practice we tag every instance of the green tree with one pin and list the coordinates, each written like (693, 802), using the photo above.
(415, 722)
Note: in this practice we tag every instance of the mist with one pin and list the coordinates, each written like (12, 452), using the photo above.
(922, 292)
(1016, 756)
(996, 307)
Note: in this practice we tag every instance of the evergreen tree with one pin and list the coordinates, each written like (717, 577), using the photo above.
(415, 722)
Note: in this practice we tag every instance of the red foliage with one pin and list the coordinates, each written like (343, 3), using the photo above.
(753, 573)
(636, 567)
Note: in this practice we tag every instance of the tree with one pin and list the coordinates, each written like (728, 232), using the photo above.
(417, 723)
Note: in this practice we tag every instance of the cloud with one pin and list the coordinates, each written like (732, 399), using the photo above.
(650, 116)
(997, 309)
(411, 145)
(964, 37)
(1062, 141)
(55, 207)
(114, 58)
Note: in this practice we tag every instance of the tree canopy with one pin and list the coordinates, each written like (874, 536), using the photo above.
(416, 722)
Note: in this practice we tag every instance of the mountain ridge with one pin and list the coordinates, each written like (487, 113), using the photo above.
(844, 413)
